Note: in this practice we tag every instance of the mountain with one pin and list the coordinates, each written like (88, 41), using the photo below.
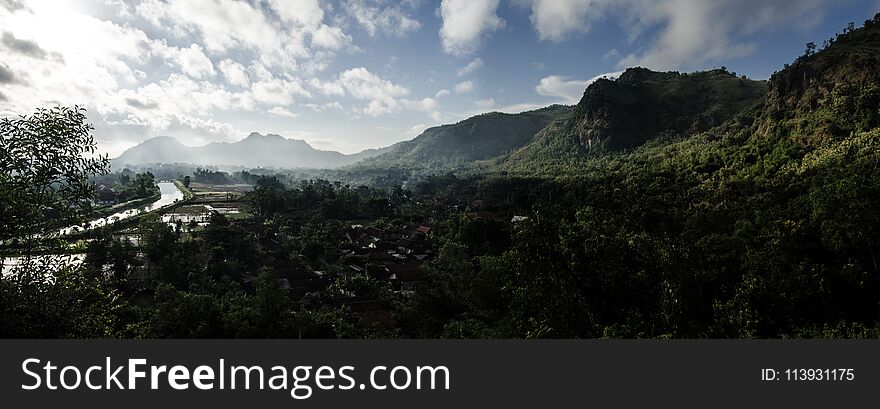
(642, 105)
(827, 95)
(254, 151)
(477, 138)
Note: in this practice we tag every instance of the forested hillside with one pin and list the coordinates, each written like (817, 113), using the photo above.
(665, 205)
(477, 138)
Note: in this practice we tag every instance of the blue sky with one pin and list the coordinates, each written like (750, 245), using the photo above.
(354, 74)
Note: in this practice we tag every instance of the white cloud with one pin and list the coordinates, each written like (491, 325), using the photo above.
(195, 63)
(335, 105)
(463, 87)
(333, 88)
(277, 91)
(332, 38)
(687, 34)
(485, 103)
(234, 73)
(382, 94)
(568, 90)
(471, 67)
(279, 33)
(305, 13)
(416, 130)
(555, 86)
(281, 111)
(376, 16)
(612, 54)
(554, 19)
(427, 104)
(465, 22)
(442, 93)
(223, 25)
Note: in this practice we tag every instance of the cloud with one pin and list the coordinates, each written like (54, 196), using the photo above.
(471, 67)
(442, 93)
(382, 94)
(612, 54)
(332, 38)
(333, 88)
(463, 87)
(234, 73)
(687, 34)
(485, 103)
(26, 47)
(568, 90)
(150, 67)
(7, 76)
(11, 5)
(135, 103)
(280, 111)
(278, 33)
(195, 63)
(377, 17)
(693, 33)
(277, 91)
(554, 19)
(416, 130)
(304, 13)
(465, 22)
(335, 105)
(426, 104)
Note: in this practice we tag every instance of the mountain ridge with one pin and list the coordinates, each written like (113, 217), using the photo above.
(255, 150)
(477, 138)
(638, 107)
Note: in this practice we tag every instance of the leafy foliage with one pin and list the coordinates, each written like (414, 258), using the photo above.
(46, 160)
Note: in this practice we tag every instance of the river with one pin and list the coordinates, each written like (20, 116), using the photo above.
(170, 195)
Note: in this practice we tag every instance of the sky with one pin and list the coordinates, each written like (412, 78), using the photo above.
(348, 75)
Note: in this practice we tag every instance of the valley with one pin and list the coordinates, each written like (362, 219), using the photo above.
(660, 205)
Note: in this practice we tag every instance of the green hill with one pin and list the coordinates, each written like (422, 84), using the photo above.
(477, 138)
(827, 95)
(638, 107)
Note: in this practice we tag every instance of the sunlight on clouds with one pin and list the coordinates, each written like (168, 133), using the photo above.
(465, 22)
(471, 67)
(280, 111)
(463, 87)
(554, 19)
(378, 16)
(689, 33)
(204, 69)
(569, 91)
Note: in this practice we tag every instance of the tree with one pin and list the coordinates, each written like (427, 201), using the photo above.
(46, 160)
(811, 49)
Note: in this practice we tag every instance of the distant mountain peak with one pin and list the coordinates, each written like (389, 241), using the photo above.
(257, 135)
(256, 150)
(162, 139)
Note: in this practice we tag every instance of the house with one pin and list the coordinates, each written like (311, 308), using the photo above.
(423, 229)
(104, 196)
(519, 219)
(376, 233)
(411, 271)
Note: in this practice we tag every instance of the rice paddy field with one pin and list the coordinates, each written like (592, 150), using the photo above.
(207, 199)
